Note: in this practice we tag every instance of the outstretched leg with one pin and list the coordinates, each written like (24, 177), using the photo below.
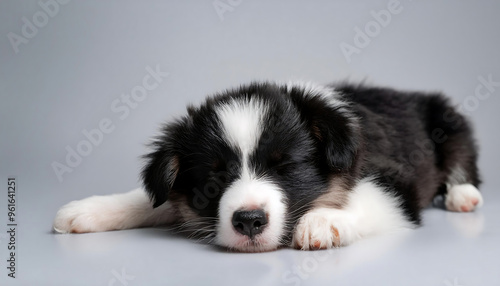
(113, 212)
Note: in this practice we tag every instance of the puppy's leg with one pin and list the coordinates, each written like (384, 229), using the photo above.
(461, 183)
(113, 212)
(370, 210)
(457, 156)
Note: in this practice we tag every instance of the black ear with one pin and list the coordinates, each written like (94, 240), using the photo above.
(159, 173)
(332, 125)
(336, 139)
(163, 163)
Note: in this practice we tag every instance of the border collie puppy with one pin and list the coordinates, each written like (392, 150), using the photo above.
(268, 165)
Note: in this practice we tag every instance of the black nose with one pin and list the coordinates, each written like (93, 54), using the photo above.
(249, 223)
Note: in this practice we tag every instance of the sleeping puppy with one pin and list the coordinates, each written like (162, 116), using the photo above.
(268, 165)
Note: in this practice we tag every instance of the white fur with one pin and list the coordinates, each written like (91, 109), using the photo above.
(463, 198)
(113, 212)
(369, 211)
(326, 93)
(251, 193)
(242, 122)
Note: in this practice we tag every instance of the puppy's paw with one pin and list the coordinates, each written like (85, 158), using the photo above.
(323, 228)
(88, 215)
(463, 198)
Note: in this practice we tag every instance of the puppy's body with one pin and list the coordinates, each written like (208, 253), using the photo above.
(268, 165)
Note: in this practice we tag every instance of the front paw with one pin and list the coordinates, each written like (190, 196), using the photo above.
(323, 228)
(87, 215)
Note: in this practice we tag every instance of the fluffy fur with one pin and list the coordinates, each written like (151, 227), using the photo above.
(269, 165)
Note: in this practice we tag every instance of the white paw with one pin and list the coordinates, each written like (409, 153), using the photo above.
(463, 198)
(93, 214)
(324, 228)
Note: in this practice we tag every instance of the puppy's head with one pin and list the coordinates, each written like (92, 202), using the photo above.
(249, 162)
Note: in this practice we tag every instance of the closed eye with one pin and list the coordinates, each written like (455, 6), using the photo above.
(275, 159)
(217, 165)
(279, 160)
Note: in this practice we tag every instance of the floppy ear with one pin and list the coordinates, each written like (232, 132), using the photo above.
(333, 127)
(336, 139)
(162, 166)
(159, 175)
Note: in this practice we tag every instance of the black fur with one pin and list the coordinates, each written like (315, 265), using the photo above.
(408, 142)
(414, 140)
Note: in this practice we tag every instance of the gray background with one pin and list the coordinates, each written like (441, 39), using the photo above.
(64, 80)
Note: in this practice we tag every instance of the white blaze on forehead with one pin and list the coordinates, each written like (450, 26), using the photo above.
(242, 123)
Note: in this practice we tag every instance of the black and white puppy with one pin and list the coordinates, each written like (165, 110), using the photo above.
(269, 165)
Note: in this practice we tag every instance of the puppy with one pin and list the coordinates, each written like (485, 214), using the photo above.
(268, 165)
